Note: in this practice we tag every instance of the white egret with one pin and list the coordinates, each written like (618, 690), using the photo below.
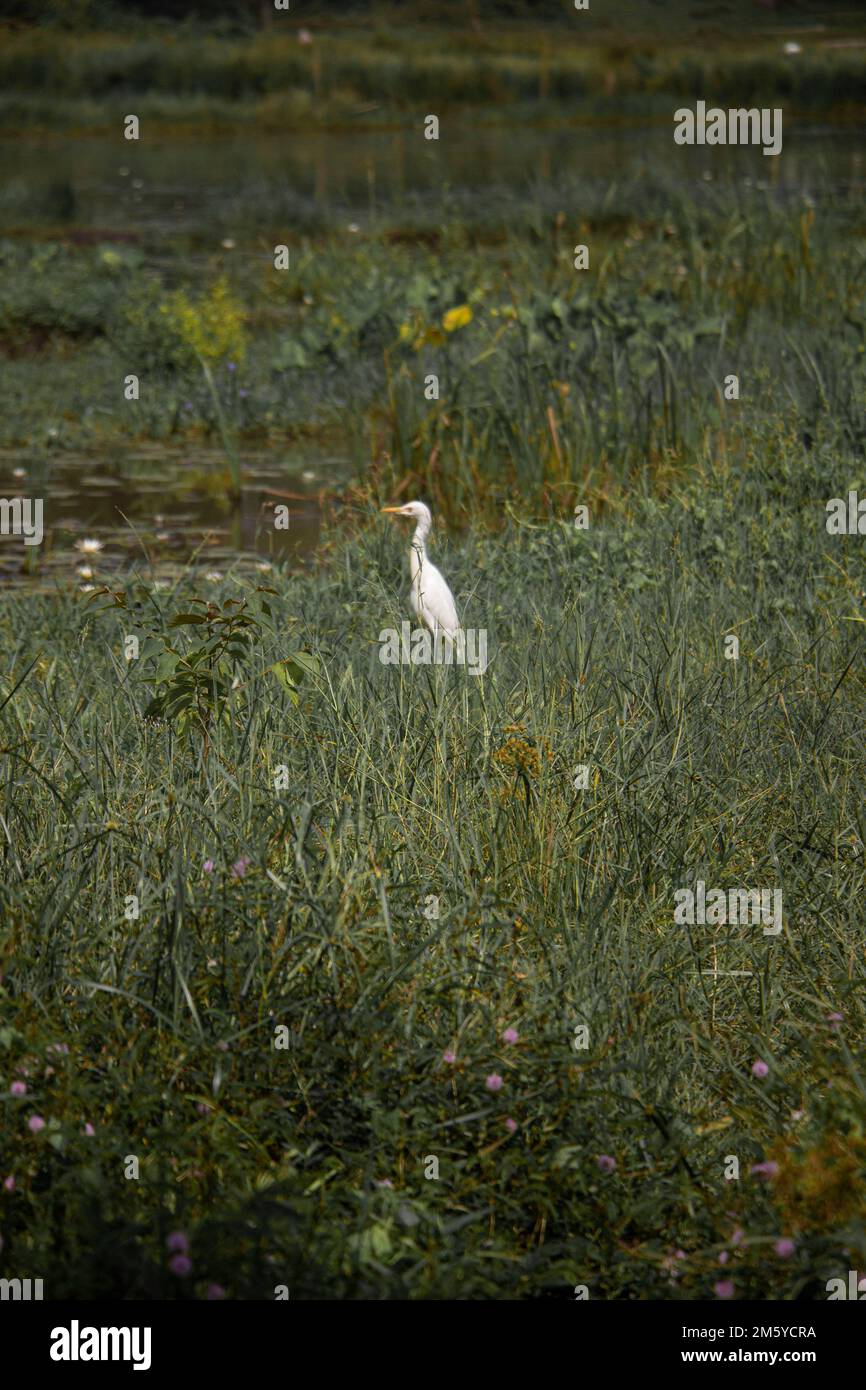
(431, 599)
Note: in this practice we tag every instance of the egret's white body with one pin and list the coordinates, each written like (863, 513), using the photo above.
(431, 599)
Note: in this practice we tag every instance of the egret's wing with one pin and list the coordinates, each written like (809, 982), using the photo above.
(436, 601)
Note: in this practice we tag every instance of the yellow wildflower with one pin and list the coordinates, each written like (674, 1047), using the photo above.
(457, 318)
(214, 327)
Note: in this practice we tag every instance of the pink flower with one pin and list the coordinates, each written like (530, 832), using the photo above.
(9, 1183)
(179, 1241)
(724, 1288)
(239, 867)
(18, 1088)
(494, 1082)
(767, 1169)
(181, 1265)
(449, 1056)
(606, 1163)
(304, 36)
(88, 1130)
(35, 1123)
(834, 1021)
(208, 866)
(510, 1125)
(737, 1236)
(384, 1182)
(784, 1248)
(214, 1292)
(760, 1069)
(510, 1035)
(723, 1257)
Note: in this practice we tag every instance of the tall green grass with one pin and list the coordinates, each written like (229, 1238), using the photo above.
(555, 910)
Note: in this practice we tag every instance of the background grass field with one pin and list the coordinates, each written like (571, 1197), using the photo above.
(286, 858)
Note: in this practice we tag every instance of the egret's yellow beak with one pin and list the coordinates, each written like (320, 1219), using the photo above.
(392, 509)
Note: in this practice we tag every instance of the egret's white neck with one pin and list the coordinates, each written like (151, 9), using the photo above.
(418, 552)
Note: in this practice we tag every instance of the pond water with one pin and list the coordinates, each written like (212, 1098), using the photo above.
(163, 510)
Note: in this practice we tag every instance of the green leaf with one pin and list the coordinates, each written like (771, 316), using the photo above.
(291, 671)
(380, 1241)
(165, 667)
(285, 680)
(307, 662)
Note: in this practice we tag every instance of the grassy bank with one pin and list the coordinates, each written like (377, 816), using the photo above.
(304, 907)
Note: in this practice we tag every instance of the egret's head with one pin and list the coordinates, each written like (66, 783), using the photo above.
(418, 511)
